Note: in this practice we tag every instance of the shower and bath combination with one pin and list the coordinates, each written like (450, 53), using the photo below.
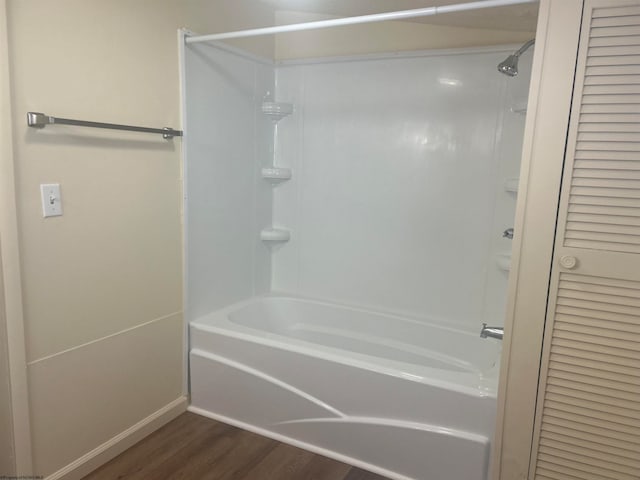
(510, 65)
(312, 317)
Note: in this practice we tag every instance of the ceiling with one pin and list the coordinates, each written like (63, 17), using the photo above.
(515, 17)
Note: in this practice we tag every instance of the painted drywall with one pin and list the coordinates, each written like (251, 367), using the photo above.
(102, 284)
(381, 37)
(11, 289)
(7, 461)
(85, 397)
(518, 17)
(216, 16)
(227, 202)
(112, 262)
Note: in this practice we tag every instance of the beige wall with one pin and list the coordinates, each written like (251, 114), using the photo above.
(15, 445)
(112, 262)
(7, 465)
(216, 16)
(381, 37)
(102, 284)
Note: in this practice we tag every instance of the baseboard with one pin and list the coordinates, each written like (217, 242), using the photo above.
(118, 444)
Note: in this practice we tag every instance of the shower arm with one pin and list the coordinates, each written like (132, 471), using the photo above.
(524, 47)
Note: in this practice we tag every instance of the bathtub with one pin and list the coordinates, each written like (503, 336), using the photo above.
(397, 396)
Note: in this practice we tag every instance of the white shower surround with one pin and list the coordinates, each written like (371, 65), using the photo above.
(399, 167)
(377, 146)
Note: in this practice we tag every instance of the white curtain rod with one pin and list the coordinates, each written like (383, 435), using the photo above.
(378, 17)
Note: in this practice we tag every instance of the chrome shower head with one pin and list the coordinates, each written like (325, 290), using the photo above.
(510, 65)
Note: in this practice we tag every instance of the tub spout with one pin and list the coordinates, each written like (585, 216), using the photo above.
(493, 332)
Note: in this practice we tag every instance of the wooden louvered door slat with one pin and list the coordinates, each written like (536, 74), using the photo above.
(588, 413)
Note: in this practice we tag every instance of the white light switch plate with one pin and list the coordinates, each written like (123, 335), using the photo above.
(51, 200)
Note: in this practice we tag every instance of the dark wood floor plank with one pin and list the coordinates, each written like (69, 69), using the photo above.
(152, 451)
(357, 474)
(323, 468)
(283, 463)
(205, 461)
(193, 459)
(192, 447)
(247, 450)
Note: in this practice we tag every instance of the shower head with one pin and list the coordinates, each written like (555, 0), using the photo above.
(510, 65)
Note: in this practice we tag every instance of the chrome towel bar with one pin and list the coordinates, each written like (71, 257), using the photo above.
(40, 120)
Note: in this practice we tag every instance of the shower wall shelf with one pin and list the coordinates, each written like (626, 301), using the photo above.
(276, 111)
(275, 235)
(511, 185)
(276, 175)
(504, 261)
(520, 107)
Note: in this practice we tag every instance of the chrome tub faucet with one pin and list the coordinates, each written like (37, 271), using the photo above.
(493, 332)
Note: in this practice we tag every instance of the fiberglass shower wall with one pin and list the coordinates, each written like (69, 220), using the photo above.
(398, 200)
(402, 181)
(227, 202)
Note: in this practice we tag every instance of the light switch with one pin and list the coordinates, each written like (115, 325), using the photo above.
(51, 200)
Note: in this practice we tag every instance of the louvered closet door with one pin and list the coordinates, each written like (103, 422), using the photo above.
(588, 417)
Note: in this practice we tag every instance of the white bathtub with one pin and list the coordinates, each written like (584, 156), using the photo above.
(400, 397)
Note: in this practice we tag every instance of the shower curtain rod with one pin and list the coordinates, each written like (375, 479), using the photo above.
(377, 17)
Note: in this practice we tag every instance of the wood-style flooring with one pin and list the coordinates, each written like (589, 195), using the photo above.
(193, 447)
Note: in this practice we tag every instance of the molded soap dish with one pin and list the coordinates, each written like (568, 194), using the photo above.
(275, 235)
(277, 110)
(276, 174)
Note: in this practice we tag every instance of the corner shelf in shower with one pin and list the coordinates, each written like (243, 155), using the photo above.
(275, 235)
(511, 185)
(503, 260)
(520, 107)
(276, 175)
(276, 111)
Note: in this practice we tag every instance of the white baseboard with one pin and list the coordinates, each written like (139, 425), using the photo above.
(118, 444)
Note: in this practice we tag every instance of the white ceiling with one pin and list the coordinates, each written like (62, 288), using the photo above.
(516, 17)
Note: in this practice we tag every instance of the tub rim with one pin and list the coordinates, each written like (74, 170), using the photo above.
(481, 384)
